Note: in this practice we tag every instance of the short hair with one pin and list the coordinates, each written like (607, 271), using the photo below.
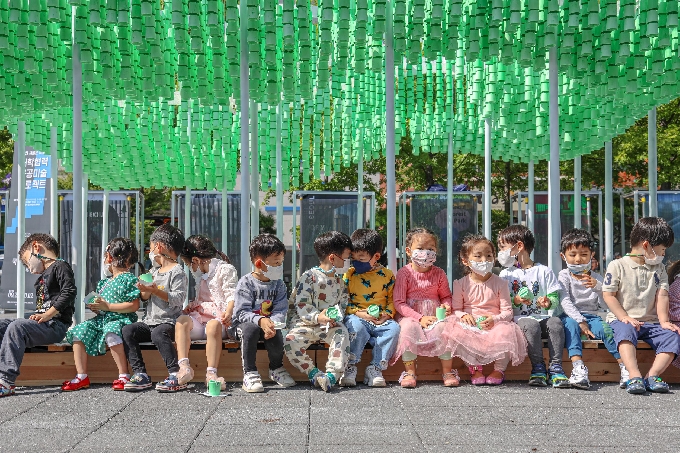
(201, 246)
(413, 232)
(123, 252)
(655, 230)
(331, 243)
(44, 239)
(170, 236)
(367, 240)
(469, 241)
(518, 233)
(576, 237)
(264, 246)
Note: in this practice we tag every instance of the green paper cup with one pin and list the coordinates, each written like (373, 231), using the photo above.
(147, 279)
(374, 310)
(479, 322)
(214, 388)
(441, 313)
(332, 313)
(525, 293)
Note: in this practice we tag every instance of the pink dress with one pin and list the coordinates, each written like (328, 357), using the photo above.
(417, 294)
(213, 292)
(490, 299)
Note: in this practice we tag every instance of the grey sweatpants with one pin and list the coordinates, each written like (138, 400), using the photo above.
(535, 330)
(18, 334)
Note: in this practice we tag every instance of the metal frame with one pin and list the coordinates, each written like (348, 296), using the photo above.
(640, 198)
(299, 194)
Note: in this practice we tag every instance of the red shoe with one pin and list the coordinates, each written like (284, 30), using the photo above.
(69, 386)
(119, 384)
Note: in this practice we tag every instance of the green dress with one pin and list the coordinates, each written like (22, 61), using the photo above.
(92, 333)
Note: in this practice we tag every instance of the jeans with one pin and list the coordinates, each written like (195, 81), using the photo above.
(18, 334)
(249, 334)
(161, 336)
(601, 330)
(534, 330)
(383, 338)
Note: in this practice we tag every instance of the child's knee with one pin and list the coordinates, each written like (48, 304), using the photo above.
(213, 327)
(554, 324)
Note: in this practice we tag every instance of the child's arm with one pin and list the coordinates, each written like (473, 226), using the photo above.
(280, 303)
(389, 307)
(663, 303)
(229, 279)
(399, 297)
(243, 304)
(505, 305)
(444, 291)
(305, 300)
(67, 291)
(552, 291)
(566, 300)
(123, 307)
(610, 288)
(457, 300)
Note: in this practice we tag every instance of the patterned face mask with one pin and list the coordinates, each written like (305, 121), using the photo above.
(423, 258)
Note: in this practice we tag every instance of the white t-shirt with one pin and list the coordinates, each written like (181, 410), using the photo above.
(540, 280)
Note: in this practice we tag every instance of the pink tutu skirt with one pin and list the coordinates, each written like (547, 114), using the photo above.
(481, 347)
(432, 342)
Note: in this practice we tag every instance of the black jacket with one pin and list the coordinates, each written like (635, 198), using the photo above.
(60, 290)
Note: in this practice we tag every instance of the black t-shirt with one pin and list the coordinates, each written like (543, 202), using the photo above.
(56, 288)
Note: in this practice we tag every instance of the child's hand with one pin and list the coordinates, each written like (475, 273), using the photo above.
(267, 325)
(40, 317)
(585, 328)
(543, 302)
(427, 321)
(363, 314)
(383, 319)
(147, 290)
(632, 321)
(589, 281)
(226, 318)
(519, 301)
(99, 304)
(448, 309)
(487, 324)
(669, 326)
(322, 319)
(468, 319)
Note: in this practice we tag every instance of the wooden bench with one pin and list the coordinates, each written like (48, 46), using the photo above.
(53, 364)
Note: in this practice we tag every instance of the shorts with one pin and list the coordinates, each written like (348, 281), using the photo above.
(660, 339)
(198, 330)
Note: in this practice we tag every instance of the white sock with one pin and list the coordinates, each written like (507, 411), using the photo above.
(183, 360)
(173, 374)
(211, 370)
(579, 363)
(79, 377)
(621, 365)
(123, 375)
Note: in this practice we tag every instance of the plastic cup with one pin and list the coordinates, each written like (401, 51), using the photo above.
(441, 313)
(214, 388)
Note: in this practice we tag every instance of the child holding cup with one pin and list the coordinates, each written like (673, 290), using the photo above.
(422, 299)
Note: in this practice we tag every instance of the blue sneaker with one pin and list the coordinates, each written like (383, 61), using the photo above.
(635, 386)
(656, 384)
(137, 383)
(558, 379)
(539, 376)
(6, 390)
(170, 385)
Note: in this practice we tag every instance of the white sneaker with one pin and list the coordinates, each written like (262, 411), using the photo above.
(579, 377)
(373, 377)
(625, 376)
(252, 382)
(282, 377)
(321, 380)
(349, 377)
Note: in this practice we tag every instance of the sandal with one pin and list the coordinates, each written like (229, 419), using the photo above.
(451, 379)
(479, 380)
(407, 380)
(494, 380)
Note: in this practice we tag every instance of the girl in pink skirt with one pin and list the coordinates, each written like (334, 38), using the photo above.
(420, 289)
(674, 299)
(481, 300)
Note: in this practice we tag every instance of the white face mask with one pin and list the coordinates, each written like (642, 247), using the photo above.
(481, 267)
(577, 269)
(274, 272)
(35, 264)
(653, 261)
(506, 259)
(345, 267)
(106, 268)
(198, 274)
(152, 257)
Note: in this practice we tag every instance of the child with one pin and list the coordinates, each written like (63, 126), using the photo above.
(534, 293)
(319, 289)
(54, 305)
(115, 308)
(581, 300)
(164, 299)
(481, 300)
(421, 288)
(209, 315)
(674, 299)
(369, 285)
(260, 308)
(636, 292)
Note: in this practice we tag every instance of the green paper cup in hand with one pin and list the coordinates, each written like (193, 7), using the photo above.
(479, 322)
(525, 293)
(146, 279)
(374, 310)
(332, 313)
(214, 388)
(441, 313)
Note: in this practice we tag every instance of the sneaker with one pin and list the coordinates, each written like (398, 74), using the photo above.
(451, 379)
(625, 376)
(252, 383)
(119, 384)
(185, 373)
(212, 376)
(539, 376)
(349, 377)
(282, 377)
(137, 383)
(579, 377)
(656, 384)
(75, 384)
(407, 380)
(373, 377)
(325, 381)
(6, 390)
(635, 386)
(170, 385)
(558, 379)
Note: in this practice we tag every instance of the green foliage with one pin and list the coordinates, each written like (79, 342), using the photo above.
(6, 152)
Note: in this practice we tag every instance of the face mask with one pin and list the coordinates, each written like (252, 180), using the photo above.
(274, 272)
(107, 269)
(35, 264)
(345, 267)
(152, 257)
(423, 258)
(505, 259)
(481, 267)
(577, 269)
(198, 274)
(653, 261)
(361, 267)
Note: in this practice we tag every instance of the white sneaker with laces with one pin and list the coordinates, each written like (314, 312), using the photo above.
(579, 377)
(349, 377)
(282, 377)
(322, 381)
(373, 377)
(625, 376)
(252, 382)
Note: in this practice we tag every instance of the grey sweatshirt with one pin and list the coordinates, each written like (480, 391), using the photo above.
(175, 283)
(255, 299)
(576, 299)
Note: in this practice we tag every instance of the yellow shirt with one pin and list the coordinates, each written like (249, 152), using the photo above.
(374, 287)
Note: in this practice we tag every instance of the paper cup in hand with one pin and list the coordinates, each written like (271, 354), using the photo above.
(441, 313)
(374, 310)
(146, 279)
(525, 293)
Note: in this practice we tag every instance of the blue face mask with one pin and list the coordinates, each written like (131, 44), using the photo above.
(361, 267)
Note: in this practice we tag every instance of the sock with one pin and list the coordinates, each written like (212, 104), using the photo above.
(579, 363)
(124, 375)
(211, 370)
(78, 377)
(621, 365)
(173, 373)
(185, 360)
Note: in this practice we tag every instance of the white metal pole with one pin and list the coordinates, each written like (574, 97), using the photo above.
(600, 233)
(245, 170)
(554, 227)
(172, 208)
(652, 162)
(187, 213)
(225, 217)
(449, 212)
(531, 200)
(254, 171)
(360, 189)
(279, 174)
(577, 192)
(105, 225)
(21, 214)
(608, 205)
(389, 137)
(622, 206)
(77, 253)
(84, 195)
(54, 172)
(487, 178)
(589, 214)
(519, 208)
(636, 201)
